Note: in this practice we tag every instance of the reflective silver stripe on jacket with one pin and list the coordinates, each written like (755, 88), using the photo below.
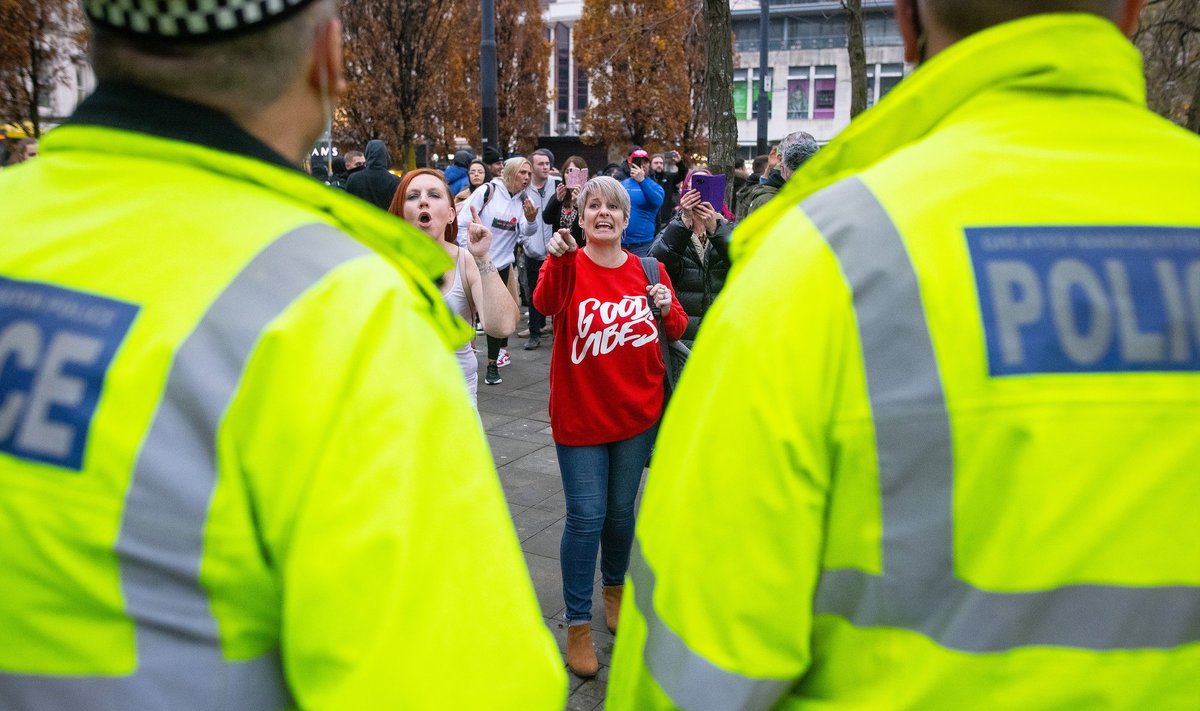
(160, 543)
(918, 590)
(692, 682)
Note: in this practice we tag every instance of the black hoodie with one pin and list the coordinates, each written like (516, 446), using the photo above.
(374, 183)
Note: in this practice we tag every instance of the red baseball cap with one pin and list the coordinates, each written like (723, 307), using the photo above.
(638, 153)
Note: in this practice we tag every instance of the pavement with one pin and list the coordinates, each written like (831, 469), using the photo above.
(517, 422)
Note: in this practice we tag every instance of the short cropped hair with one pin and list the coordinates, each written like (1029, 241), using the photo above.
(759, 165)
(239, 75)
(794, 150)
(543, 152)
(966, 17)
(608, 190)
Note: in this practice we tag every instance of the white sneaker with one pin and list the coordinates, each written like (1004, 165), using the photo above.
(503, 359)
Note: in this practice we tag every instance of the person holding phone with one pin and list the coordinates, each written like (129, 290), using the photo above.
(690, 183)
(694, 249)
(560, 211)
(645, 198)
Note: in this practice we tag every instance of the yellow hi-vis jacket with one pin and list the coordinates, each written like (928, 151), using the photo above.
(238, 466)
(938, 445)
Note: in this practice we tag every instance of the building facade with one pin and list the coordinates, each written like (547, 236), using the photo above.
(808, 66)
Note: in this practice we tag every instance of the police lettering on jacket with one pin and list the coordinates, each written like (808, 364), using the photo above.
(1088, 299)
(55, 348)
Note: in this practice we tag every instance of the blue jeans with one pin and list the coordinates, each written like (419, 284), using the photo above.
(642, 249)
(600, 484)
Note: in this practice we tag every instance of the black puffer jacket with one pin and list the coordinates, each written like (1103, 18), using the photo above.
(697, 282)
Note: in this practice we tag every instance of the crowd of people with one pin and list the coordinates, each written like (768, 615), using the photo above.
(936, 447)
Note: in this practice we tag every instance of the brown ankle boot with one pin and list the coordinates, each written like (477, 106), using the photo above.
(612, 605)
(581, 656)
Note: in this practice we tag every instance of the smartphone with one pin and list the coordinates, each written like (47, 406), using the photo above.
(576, 177)
(712, 189)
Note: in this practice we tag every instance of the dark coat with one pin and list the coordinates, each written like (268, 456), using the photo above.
(552, 216)
(697, 282)
(669, 180)
(753, 197)
(374, 183)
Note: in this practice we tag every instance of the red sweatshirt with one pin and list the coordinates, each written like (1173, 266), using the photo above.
(606, 370)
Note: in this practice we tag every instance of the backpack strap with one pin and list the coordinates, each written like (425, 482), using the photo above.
(650, 267)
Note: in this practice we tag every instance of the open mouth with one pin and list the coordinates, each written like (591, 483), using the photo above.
(603, 225)
(424, 219)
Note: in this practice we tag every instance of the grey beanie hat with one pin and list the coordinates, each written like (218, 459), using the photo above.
(188, 19)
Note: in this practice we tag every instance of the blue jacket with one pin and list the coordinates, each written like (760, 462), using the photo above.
(456, 178)
(645, 198)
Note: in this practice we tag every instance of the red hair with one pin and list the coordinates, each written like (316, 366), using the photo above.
(397, 206)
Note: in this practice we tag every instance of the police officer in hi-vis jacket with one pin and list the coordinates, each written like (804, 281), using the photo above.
(238, 466)
(965, 475)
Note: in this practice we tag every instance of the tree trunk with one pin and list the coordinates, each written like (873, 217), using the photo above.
(718, 83)
(1193, 114)
(858, 57)
(35, 87)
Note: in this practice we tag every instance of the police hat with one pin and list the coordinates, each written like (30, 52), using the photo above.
(188, 19)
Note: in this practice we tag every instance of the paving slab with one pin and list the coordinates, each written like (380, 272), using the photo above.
(515, 417)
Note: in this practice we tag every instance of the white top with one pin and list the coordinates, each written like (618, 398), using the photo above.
(457, 299)
(504, 215)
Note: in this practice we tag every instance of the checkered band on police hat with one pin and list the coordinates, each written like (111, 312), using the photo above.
(187, 19)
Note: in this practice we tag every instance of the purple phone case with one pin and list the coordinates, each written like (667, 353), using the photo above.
(712, 189)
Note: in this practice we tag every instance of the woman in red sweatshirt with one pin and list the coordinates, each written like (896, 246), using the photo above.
(606, 398)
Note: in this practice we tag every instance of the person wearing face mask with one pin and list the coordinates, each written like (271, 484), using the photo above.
(964, 476)
(504, 208)
(238, 466)
(473, 287)
(606, 398)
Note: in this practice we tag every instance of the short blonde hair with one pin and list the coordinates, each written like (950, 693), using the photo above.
(512, 166)
(608, 190)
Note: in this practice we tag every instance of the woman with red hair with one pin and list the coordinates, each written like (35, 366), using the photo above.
(473, 287)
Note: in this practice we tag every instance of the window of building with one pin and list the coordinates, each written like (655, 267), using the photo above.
(799, 81)
(824, 92)
(881, 78)
(812, 92)
(562, 72)
(745, 98)
(770, 92)
(581, 91)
